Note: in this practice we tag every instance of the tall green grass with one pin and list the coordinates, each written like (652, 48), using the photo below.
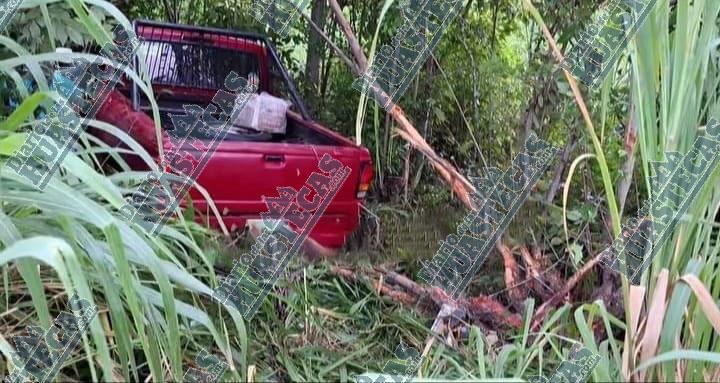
(671, 319)
(154, 293)
(675, 92)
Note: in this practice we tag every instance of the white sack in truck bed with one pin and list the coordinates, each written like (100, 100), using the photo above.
(264, 113)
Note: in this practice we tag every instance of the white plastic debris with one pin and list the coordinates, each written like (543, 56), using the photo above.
(265, 113)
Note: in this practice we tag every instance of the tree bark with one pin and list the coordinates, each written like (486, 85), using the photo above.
(315, 52)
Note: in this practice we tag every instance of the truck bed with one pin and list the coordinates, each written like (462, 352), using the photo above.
(241, 170)
(297, 131)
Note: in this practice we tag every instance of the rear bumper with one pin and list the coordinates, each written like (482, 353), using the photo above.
(331, 231)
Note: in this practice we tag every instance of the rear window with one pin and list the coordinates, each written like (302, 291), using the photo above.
(194, 64)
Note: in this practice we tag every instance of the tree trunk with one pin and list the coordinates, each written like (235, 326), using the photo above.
(314, 55)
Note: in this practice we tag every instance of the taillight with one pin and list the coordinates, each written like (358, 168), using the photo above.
(366, 177)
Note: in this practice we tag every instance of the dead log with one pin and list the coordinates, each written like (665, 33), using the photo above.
(311, 249)
(482, 310)
(405, 282)
(560, 169)
(488, 310)
(347, 274)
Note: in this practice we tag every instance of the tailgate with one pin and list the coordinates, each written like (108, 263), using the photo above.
(239, 174)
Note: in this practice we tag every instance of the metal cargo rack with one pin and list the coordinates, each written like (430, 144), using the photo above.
(195, 60)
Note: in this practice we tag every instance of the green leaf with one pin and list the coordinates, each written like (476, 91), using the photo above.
(574, 215)
(25, 110)
(576, 252)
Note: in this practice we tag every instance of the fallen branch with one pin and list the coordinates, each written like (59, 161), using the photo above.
(493, 312)
(311, 249)
(378, 286)
(407, 283)
(459, 184)
(516, 292)
(481, 310)
(560, 169)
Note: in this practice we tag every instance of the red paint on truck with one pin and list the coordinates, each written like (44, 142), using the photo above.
(244, 168)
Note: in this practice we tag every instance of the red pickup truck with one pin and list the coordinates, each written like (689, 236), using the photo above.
(187, 65)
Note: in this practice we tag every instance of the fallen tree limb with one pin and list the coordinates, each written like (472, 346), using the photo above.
(459, 184)
(482, 310)
(404, 281)
(488, 310)
(516, 292)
